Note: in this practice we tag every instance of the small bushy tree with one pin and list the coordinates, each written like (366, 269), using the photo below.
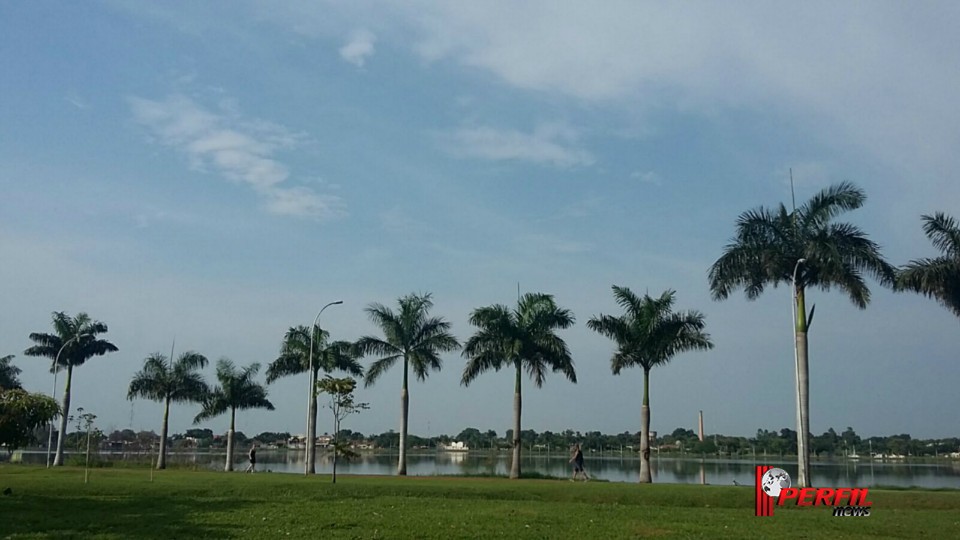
(342, 404)
(20, 413)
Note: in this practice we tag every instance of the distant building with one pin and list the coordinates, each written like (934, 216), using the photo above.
(456, 446)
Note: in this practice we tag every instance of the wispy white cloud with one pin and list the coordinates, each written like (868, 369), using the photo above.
(548, 144)
(647, 177)
(880, 79)
(238, 149)
(74, 99)
(359, 48)
(398, 221)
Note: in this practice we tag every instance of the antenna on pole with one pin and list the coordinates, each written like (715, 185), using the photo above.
(518, 291)
(793, 196)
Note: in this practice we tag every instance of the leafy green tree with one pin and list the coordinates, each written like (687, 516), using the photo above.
(647, 335)
(294, 359)
(8, 374)
(410, 335)
(342, 404)
(75, 341)
(937, 278)
(524, 339)
(198, 433)
(270, 437)
(237, 390)
(21, 413)
(850, 437)
(804, 248)
(177, 382)
(471, 437)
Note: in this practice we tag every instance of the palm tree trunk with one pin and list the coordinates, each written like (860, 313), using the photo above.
(311, 448)
(233, 416)
(803, 394)
(517, 406)
(62, 434)
(404, 410)
(645, 476)
(162, 457)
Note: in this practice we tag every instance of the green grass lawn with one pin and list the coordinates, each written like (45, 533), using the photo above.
(120, 503)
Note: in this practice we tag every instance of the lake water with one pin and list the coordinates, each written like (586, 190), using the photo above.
(672, 470)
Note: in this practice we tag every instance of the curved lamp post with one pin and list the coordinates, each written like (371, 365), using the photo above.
(309, 467)
(56, 362)
(802, 471)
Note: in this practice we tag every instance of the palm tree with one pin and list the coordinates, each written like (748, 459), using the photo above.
(414, 337)
(73, 342)
(937, 278)
(237, 390)
(804, 248)
(8, 374)
(328, 356)
(161, 380)
(525, 339)
(648, 335)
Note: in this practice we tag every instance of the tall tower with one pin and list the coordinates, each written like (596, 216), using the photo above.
(701, 426)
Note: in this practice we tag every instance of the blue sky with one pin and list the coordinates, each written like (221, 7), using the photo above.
(215, 172)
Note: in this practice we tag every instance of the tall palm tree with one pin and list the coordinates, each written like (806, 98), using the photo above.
(805, 248)
(237, 390)
(294, 359)
(937, 278)
(8, 374)
(649, 334)
(161, 380)
(524, 339)
(75, 341)
(410, 335)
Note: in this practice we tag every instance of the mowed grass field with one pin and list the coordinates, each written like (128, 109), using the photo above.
(125, 503)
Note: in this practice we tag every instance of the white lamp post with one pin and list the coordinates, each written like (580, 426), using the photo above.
(53, 394)
(311, 436)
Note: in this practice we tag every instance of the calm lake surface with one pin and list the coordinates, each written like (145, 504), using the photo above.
(672, 470)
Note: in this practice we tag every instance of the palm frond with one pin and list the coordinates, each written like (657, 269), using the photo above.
(944, 232)
(524, 337)
(410, 333)
(9, 374)
(650, 333)
(378, 367)
(830, 203)
(769, 245)
(214, 405)
(373, 346)
(937, 278)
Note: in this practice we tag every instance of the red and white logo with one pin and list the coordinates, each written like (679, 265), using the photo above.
(773, 482)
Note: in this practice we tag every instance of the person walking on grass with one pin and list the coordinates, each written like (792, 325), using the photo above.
(252, 454)
(577, 459)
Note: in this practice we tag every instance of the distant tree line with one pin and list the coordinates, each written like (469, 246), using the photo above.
(680, 441)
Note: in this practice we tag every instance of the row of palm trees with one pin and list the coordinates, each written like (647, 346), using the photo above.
(803, 247)
(179, 381)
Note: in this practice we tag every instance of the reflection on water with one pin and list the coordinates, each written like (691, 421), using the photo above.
(866, 473)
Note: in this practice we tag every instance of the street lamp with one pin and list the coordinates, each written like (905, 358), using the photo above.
(53, 393)
(801, 437)
(311, 436)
